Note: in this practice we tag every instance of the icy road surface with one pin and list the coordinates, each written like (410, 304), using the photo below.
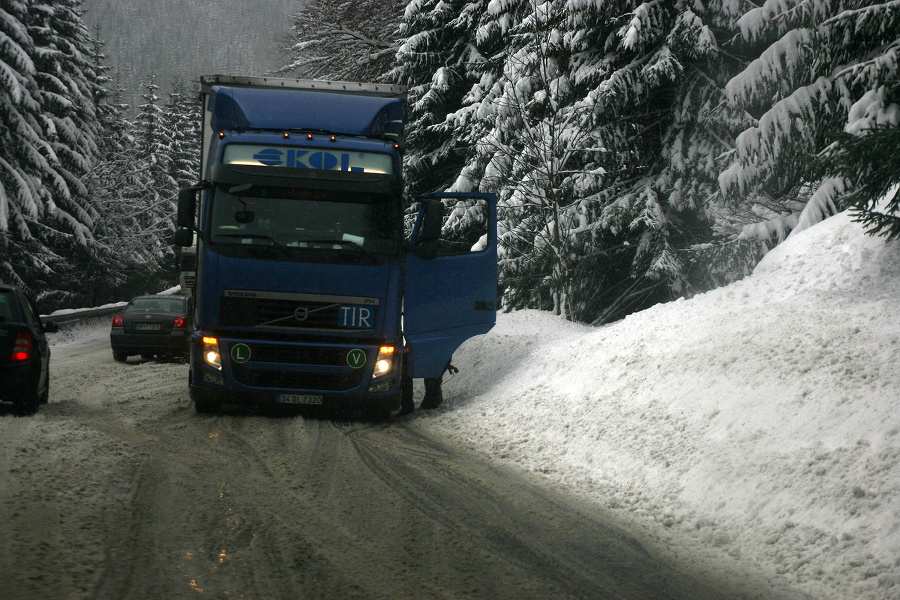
(118, 490)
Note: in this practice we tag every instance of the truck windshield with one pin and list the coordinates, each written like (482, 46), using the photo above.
(305, 224)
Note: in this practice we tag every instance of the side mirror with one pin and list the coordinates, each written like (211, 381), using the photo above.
(429, 229)
(50, 327)
(183, 237)
(187, 207)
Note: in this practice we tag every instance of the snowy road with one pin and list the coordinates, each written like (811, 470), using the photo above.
(118, 490)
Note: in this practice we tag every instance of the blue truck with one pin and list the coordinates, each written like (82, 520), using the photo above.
(317, 284)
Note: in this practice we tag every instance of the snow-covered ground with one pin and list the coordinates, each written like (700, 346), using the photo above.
(755, 426)
(760, 421)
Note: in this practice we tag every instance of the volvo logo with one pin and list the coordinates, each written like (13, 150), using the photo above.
(301, 313)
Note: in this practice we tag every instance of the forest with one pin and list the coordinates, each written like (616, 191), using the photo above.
(642, 151)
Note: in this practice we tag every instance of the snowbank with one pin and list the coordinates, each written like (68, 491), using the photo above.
(759, 420)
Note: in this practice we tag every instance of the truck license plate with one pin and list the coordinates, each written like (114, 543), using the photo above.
(299, 399)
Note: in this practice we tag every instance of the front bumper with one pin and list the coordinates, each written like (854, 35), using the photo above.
(270, 399)
(282, 373)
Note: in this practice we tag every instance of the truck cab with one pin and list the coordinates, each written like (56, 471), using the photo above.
(315, 285)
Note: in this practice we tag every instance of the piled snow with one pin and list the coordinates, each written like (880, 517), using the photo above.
(760, 420)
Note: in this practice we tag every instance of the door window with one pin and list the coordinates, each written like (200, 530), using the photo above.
(465, 226)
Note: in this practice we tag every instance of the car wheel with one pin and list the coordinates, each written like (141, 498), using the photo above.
(45, 395)
(119, 356)
(29, 404)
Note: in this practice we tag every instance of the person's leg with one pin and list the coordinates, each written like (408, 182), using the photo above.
(433, 396)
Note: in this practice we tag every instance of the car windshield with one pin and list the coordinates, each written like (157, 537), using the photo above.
(167, 305)
(294, 221)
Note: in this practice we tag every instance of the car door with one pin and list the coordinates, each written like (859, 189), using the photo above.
(450, 286)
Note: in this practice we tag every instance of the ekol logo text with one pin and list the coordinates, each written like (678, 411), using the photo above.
(305, 159)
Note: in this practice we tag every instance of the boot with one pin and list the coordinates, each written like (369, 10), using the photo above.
(433, 396)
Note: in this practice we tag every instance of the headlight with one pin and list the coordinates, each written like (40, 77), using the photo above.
(211, 354)
(384, 364)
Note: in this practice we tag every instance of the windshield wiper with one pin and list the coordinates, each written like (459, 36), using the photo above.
(285, 251)
(347, 244)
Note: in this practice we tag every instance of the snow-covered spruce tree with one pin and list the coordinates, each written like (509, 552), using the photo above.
(183, 121)
(818, 58)
(529, 146)
(148, 201)
(868, 161)
(439, 62)
(599, 129)
(135, 183)
(98, 270)
(105, 271)
(344, 40)
(654, 78)
(47, 142)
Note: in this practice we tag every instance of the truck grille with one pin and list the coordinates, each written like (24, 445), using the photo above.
(308, 357)
(270, 310)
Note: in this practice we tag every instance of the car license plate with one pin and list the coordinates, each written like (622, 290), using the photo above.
(299, 399)
(147, 326)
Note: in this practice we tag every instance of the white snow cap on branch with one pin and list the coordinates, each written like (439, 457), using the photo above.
(870, 112)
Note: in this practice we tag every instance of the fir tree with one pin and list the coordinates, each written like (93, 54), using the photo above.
(818, 59)
(345, 41)
(47, 140)
(183, 121)
(868, 164)
(154, 193)
(583, 132)
(439, 62)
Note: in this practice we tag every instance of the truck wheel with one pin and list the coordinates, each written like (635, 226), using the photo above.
(377, 416)
(206, 407)
(119, 356)
(407, 405)
(203, 404)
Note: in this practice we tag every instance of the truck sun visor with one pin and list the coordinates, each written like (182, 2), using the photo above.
(235, 108)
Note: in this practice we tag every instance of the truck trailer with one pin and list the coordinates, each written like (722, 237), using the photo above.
(316, 284)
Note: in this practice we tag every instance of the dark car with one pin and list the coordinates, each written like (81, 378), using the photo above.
(24, 352)
(151, 326)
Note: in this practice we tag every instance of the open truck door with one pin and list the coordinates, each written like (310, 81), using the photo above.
(451, 278)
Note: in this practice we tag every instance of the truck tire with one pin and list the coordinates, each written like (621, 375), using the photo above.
(206, 407)
(203, 404)
(119, 356)
(407, 404)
